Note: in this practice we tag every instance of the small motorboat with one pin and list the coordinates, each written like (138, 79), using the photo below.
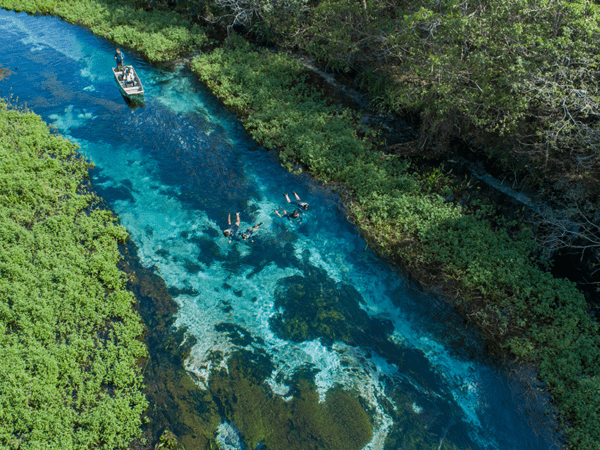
(133, 89)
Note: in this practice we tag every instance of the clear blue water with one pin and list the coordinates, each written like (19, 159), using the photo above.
(174, 169)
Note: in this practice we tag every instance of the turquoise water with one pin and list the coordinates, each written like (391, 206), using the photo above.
(174, 169)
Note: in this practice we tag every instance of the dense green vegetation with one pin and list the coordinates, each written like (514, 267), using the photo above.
(487, 72)
(69, 336)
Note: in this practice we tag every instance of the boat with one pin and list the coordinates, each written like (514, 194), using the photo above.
(130, 90)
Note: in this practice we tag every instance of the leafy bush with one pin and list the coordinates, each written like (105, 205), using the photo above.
(69, 337)
(536, 317)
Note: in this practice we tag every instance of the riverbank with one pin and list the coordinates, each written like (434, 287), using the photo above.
(70, 338)
(504, 293)
(493, 278)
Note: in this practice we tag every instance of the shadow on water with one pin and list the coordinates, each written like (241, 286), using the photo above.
(134, 103)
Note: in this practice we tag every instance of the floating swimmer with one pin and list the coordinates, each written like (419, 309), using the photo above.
(298, 202)
(250, 231)
(234, 229)
(289, 215)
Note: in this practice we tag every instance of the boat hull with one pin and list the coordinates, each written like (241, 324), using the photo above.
(130, 91)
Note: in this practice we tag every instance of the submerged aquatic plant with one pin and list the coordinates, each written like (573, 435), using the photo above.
(518, 305)
(340, 422)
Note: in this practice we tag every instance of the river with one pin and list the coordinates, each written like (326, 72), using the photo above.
(309, 300)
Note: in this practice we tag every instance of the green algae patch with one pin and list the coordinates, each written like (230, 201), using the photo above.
(310, 312)
(70, 338)
(238, 394)
(314, 306)
(168, 441)
(302, 423)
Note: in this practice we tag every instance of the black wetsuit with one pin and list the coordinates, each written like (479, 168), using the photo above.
(301, 204)
(290, 215)
(234, 231)
(250, 231)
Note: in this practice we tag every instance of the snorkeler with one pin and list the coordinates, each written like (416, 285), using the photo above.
(290, 215)
(233, 230)
(298, 202)
(250, 231)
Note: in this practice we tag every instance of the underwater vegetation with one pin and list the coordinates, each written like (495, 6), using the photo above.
(239, 394)
(312, 306)
(537, 318)
(302, 423)
(518, 305)
(177, 406)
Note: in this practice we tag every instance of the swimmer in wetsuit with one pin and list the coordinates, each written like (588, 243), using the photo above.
(298, 202)
(295, 214)
(234, 229)
(250, 231)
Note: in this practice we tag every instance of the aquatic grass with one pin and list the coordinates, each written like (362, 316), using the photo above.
(184, 404)
(159, 35)
(69, 335)
(519, 306)
(302, 423)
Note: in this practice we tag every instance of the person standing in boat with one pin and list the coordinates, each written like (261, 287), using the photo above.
(120, 57)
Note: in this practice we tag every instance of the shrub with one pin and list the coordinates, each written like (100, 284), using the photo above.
(69, 337)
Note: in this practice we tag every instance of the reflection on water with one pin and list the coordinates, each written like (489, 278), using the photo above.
(300, 339)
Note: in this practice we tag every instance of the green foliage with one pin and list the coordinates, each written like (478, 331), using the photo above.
(282, 111)
(160, 35)
(168, 441)
(516, 77)
(493, 72)
(69, 337)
